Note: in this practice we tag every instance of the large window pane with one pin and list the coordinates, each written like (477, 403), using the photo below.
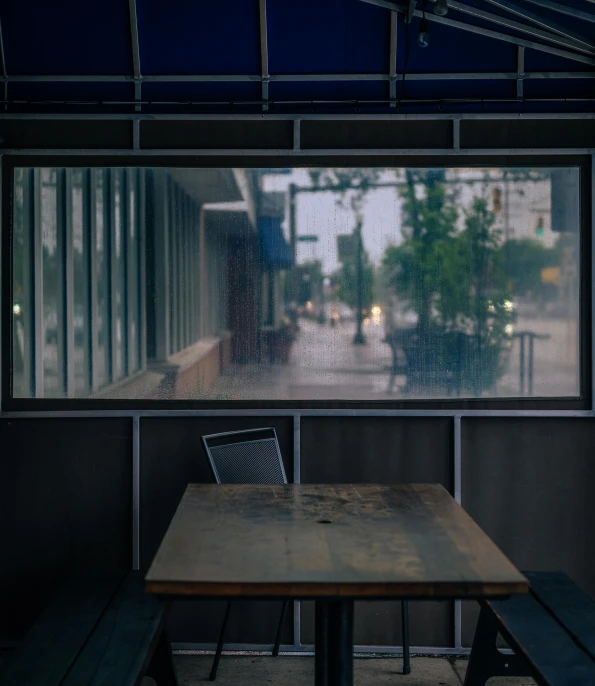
(81, 276)
(101, 356)
(21, 336)
(52, 282)
(307, 284)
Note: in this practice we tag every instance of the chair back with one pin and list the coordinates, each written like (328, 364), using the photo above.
(245, 457)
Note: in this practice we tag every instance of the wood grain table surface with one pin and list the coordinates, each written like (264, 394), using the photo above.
(314, 541)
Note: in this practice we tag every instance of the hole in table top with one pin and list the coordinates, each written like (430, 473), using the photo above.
(323, 521)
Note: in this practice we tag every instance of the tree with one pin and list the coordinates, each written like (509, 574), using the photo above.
(453, 280)
(416, 267)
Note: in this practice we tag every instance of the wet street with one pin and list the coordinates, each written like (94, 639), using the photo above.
(325, 365)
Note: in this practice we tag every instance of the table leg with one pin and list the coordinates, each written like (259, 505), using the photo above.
(340, 643)
(321, 648)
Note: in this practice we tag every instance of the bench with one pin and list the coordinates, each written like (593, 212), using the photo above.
(551, 631)
(99, 630)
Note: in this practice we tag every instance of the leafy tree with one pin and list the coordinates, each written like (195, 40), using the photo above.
(454, 280)
(416, 267)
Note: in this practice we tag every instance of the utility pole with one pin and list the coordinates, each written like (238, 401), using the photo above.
(359, 338)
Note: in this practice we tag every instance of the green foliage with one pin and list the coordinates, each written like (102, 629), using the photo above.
(454, 280)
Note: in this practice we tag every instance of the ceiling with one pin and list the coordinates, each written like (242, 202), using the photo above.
(292, 56)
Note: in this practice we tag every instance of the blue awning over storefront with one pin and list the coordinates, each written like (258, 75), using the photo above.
(274, 248)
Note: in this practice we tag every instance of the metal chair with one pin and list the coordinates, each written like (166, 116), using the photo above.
(245, 457)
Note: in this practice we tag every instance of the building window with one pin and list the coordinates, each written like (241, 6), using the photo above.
(326, 284)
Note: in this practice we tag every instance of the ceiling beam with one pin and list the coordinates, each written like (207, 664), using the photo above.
(3, 67)
(539, 21)
(488, 33)
(286, 78)
(135, 68)
(392, 61)
(519, 26)
(564, 9)
(264, 54)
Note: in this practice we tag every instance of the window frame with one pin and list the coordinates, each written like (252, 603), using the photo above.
(547, 158)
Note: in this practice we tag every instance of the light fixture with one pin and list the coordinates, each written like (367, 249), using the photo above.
(441, 8)
(423, 36)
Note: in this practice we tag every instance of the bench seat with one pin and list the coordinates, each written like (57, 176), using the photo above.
(100, 630)
(551, 631)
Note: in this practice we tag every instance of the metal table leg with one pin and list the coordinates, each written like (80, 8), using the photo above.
(321, 654)
(340, 643)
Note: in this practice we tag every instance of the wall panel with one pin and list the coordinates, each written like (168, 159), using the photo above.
(381, 450)
(528, 482)
(66, 499)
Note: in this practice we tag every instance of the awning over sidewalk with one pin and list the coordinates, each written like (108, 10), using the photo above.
(274, 248)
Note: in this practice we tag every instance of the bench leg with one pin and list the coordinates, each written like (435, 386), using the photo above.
(486, 660)
(161, 668)
(405, 629)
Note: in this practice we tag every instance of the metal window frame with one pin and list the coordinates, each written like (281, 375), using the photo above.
(544, 158)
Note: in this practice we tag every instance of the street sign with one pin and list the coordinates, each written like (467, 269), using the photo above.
(309, 238)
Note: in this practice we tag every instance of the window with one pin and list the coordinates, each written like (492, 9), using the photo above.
(297, 284)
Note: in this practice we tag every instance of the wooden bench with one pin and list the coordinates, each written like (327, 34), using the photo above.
(551, 631)
(99, 630)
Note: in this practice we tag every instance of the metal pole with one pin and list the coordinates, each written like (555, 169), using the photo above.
(340, 643)
(359, 338)
(321, 649)
(522, 364)
(531, 344)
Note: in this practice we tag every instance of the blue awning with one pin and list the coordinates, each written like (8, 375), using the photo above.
(327, 56)
(274, 248)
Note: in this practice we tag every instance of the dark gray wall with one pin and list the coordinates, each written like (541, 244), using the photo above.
(529, 484)
(65, 498)
(66, 494)
(381, 450)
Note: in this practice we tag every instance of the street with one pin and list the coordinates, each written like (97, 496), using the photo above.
(325, 365)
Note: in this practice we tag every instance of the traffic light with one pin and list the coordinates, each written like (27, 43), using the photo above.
(497, 200)
(539, 227)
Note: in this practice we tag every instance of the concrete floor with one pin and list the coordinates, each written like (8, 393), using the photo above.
(294, 671)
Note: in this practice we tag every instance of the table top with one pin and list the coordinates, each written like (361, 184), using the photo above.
(308, 541)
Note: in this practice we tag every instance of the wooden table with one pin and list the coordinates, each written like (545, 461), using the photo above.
(330, 543)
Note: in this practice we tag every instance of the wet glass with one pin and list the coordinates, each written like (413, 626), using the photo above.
(52, 331)
(101, 346)
(81, 277)
(21, 291)
(317, 284)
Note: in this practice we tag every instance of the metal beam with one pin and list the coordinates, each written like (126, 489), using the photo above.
(231, 78)
(392, 62)
(264, 54)
(519, 26)
(539, 21)
(3, 67)
(337, 116)
(488, 33)
(520, 71)
(303, 152)
(564, 9)
(135, 51)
